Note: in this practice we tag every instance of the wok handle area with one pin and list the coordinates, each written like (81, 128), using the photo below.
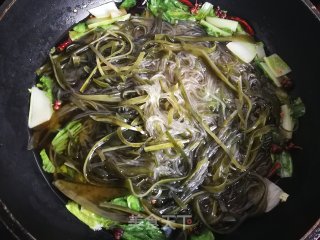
(10, 227)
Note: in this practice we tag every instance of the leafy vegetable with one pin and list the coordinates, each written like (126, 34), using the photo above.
(171, 10)
(277, 66)
(134, 203)
(60, 142)
(269, 73)
(205, 235)
(94, 221)
(46, 84)
(213, 30)
(144, 230)
(287, 122)
(172, 15)
(205, 11)
(79, 30)
(260, 50)
(245, 51)
(298, 108)
(46, 162)
(73, 35)
(127, 4)
(81, 27)
(72, 173)
(245, 26)
(240, 30)
(130, 201)
(284, 158)
(106, 21)
(90, 197)
(120, 201)
(225, 24)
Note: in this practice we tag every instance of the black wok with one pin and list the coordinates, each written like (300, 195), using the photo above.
(29, 28)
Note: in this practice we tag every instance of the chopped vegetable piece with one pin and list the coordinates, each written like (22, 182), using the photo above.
(205, 11)
(46, 84)
(269, 74)
(60, 142)
(240, 30)
(80, 27)
(91, 219)
(107, 21)
(244, 23)
(243, 50)
(144, 230)
(205, 235)
(130, 201)
(277, 66)
(120, 201)
(72, 173)
(286, 121)
(260, 50)
(109, 9)
(158, 6)
(127, 4)
(46, 162)
(74, 36)
(224, 24)
(134, 203)
(171, 10)
(298, 109)
(213, 30)
(274, 195)
(176, 14)
(284, 158)
(40, 108)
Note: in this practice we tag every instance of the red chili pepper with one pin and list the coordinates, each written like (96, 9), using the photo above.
(220, 13)
(187, 2)
(291, 146)
(62, 46)
(281, 114)
(276, 148)
(195, 9)
(244, 23)
(286, 82)
(117, 233)
(273, 170)
(57, 105)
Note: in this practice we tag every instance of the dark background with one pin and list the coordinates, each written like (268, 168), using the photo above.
(4, 233)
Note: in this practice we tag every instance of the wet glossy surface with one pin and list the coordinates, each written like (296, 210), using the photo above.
(30, 28)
